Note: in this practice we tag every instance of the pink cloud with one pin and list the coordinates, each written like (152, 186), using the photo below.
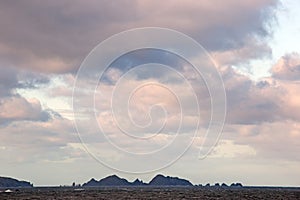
(19, 108)
(287, 67)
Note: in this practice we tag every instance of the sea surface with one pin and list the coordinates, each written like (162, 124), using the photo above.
(151, 193)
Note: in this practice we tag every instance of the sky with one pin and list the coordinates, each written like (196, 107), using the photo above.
(150, 111)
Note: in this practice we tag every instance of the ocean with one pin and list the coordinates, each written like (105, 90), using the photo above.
(151, 193)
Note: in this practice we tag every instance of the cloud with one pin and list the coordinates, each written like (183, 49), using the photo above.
(18, 108)
(8, 81)
(30, 80)
(228, 149)
(216, 26)
(272, 140)
(252, 49)
(287, 67)
(290, 101)
(38, 141)
(54, 37)
(247, 101)
(269, 99)
(13, 106)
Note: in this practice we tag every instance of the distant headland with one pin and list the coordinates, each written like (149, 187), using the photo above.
(115, 181)
(6, 182)
(158, 181)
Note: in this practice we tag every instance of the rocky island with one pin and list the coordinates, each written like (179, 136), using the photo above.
(6, 182)
(159, 180)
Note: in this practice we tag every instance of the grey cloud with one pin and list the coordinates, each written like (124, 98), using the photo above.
(253, 49)
(216, 26)
(271, 99)
(54, 36)
(32, 80)
(11, 78)
(145, 56)
(8, 81)
(41, 32)
(249, 102)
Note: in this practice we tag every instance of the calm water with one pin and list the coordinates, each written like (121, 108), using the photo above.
(153, 193)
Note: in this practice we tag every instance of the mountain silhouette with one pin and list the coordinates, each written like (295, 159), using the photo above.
(112, 180)
(6, 182)
(158, 180)
(138, 182)
(161, 180)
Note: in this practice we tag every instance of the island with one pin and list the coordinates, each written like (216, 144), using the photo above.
(159, 180)
(7, 182)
